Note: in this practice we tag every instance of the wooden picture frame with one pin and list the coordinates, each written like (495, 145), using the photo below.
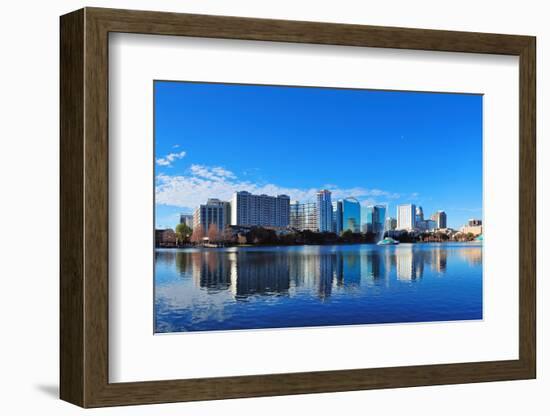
(84, 207)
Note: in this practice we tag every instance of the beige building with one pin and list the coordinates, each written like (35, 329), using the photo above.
(474, 229)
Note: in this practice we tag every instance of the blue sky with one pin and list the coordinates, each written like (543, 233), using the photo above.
(385, 147)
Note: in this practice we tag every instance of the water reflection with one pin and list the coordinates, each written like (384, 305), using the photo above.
(257, 274)
(472, 255)
(275, 272)
(271, 287)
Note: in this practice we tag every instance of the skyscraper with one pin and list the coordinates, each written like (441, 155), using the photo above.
(213, 212)
(337, 217)
(419, 214)
(390, 223)
(440, 218)
(260, 210)
(324, 211)
(351, 215)
(380, 217)
(430, 225)
(406, 217)
(366, 219)
(375, 217)
(186, 219)
(303, 216)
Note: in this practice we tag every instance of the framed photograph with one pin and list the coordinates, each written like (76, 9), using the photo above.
(255, 207)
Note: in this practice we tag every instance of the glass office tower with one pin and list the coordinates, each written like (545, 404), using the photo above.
(324, 211)
(375, 217)
(337, 217)
(351, 215)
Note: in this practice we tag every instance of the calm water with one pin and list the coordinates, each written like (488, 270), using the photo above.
(274, 287)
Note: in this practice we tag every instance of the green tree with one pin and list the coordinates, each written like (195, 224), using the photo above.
(347, 236)
(183, 233)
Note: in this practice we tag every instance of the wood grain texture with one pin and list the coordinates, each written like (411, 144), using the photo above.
(84, 207)
(96, 207)
(71, 218)
(527, 208)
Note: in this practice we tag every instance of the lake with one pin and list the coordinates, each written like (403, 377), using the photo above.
(302, 286)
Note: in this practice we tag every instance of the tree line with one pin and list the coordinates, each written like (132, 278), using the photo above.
(266, 236)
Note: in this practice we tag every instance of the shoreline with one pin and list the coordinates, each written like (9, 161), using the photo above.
(313, 245)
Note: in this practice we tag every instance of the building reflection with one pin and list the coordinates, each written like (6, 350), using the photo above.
(372, 266)
(211, 271)
(318, 270)
(257, 274)
(315, 270)
(351, 269)
(405, 269)
(165, 257)
(473, 255)
(439, 264)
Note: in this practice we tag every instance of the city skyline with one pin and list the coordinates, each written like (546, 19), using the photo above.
(196, 158)
(279, 212)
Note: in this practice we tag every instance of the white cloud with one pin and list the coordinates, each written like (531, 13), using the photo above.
(203, 182)
(370, 201)
(214, 173)
(169, 158)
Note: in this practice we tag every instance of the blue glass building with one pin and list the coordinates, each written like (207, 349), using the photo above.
(337, 217)
(380, 218)
(351, 215)
(375, 215)
(324, 211)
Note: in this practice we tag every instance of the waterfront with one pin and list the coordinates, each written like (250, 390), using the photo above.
(199, 289)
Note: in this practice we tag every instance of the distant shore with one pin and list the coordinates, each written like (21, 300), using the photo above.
(306, 244)
(260, 236)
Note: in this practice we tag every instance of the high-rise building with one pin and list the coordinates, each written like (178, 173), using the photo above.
(260, 210)
(304, 216)
(337, 217)
(375, 217)
(186, 219)
(351, 215)
(367, 220)
(473, 222)
(213, 212)
(424, 224)
(430, 225)
(372, 218)
(419, 214)
(379, 217)
(390, 223)
(440, 218)
(324, 211)
(406, 217)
